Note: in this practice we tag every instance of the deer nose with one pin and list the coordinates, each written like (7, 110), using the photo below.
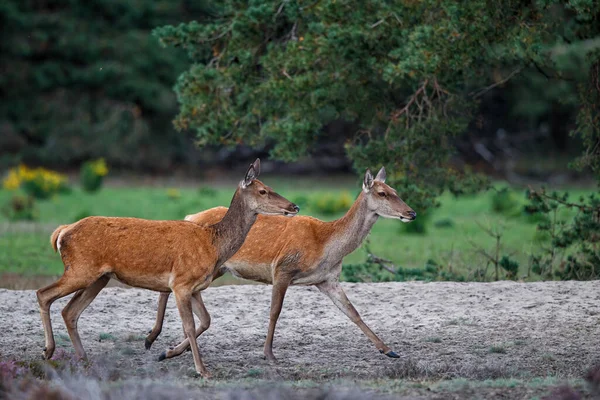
(296, 208)
(412, 214)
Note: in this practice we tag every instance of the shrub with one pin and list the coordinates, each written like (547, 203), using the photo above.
(444, 223)
(92, 174)
(418, 226)
(20, 208)
(505, 202)
(40, 183)
(206, 191)
(571, 250)
(330, 203)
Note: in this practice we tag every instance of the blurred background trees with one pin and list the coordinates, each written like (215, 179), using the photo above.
(432, 89)
(81, 80)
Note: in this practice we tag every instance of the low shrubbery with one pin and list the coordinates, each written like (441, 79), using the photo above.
(20, 208)
(40, 183)
(92, 174)
(331, 203)
(569, 247)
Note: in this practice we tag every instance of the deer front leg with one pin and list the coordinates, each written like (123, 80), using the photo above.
(335, 292)
(202, 314)
(279, 288)
(184, 304)
(160, 316)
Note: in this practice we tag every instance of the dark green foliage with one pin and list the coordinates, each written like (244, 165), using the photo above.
(446, 223)
(376, 269)
(83, 79)
(571, 251)
(20, 208)
(404, 77)
(510, 267)
(418, 226)
(206, 191)
(91, 178)
(505, 202)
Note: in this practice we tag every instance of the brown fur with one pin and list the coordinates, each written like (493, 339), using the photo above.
(177, 256)
(304, 251)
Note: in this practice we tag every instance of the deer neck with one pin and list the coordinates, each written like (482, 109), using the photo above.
(229, 234)
(352, 228)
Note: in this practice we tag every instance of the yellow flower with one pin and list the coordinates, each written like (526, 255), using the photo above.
(12, 180)
(99, 167)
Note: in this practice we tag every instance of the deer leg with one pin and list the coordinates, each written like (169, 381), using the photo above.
(277, 296)
(184, 304)
(335, 292)
(163, 298)
(204, 317)
(76, 306)
(160, 315)
(48, 295)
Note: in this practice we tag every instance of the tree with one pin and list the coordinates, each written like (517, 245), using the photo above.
(407, 75)
(84, 79)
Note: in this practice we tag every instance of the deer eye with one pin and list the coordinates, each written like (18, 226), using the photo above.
(262, 191)
(381, 194)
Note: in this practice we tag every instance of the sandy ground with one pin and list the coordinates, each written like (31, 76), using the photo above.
(440, 330)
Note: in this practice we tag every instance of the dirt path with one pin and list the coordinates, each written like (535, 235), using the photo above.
(470, 330)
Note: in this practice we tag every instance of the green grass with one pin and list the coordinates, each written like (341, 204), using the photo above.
(452, 230)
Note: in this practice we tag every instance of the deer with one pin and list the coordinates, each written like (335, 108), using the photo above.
(164, 256)
(301, 251)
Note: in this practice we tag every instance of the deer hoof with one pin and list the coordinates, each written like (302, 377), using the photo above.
(392, 354)
(162, 356)
(147, 344)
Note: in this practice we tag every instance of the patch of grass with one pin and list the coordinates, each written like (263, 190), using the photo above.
(103, 336)
(461, 321)
(132, 337)
(26, 249)
(433, 339)
(254, 372)
(127, 351)
(497, 349)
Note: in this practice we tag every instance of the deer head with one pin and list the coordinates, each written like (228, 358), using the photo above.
(384, 200)
(261, 198)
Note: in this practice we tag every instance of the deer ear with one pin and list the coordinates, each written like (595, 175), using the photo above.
(251, 174)
(256, 165)
(368, 182)
(381, 175)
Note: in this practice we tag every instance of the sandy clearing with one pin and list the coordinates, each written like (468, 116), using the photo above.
(446, 329)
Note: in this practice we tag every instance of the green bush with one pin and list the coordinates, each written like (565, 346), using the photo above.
(330, 203)
(418, 226)
(570, 250)
(444, 223)
(505, 202)
(206, 191)
(20, 208)
(92, 175)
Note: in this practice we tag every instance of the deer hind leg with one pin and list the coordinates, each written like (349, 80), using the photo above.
(160, 316)
(335, 292)
(204, 317)
(76, 306)
(48, 295)
(279, 288)
(184, 304)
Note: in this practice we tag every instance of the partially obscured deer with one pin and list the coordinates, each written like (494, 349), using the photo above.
(177, 256)
(302, 251)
